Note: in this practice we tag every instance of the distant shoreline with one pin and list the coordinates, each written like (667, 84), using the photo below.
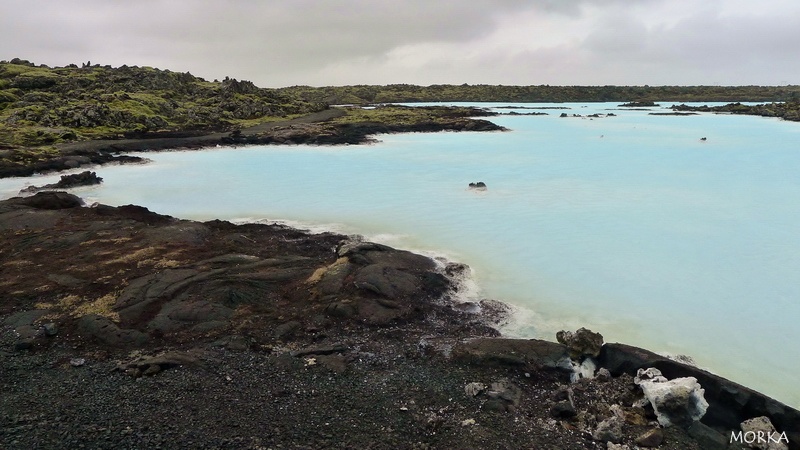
(310, 129)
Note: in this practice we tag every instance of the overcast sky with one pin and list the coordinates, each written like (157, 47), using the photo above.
(277, 43)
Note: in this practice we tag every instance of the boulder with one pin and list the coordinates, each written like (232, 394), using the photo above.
(729, 403)
(759, 433)
(653, 437)
(511, 352)
(376, 283)
(503, 395)
(386, 281)
(678, 402)
(86, 178)
(563, 410)
(581, 343)
(708, 438)
(106, 331)
(51, 200)
(609, 430)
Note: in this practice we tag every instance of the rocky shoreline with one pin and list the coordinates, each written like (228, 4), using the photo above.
(311, 129)
(125, 328)
(787, 110)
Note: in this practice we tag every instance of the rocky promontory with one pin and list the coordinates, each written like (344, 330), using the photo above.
(785, 110)
(122, 327)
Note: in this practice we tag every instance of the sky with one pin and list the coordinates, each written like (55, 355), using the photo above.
(277, 43)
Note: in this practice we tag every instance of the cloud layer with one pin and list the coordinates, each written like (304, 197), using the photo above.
(319, 42)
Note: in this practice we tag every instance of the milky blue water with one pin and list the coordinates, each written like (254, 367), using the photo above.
(628, 225)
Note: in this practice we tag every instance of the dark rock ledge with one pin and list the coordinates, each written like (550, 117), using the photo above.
(125, 328)
(313, 129)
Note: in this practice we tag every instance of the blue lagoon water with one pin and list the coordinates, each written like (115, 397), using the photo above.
(629, 225)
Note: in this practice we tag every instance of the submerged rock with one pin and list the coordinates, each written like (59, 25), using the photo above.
(86, 178)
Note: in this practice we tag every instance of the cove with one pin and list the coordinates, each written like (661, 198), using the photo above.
(630, 225)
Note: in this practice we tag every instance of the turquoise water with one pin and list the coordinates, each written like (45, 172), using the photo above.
(628, 225)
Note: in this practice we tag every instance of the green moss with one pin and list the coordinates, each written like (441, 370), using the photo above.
(32, 136)
(132, 106)
(13, 70)
(402, 115)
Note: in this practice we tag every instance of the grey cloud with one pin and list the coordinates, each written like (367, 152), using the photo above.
(277, 43)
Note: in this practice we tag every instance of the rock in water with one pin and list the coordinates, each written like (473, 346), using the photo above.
(86, 178)
(676, 402)
(479, 186)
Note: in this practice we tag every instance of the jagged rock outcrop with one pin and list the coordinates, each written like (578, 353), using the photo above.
(86, 178)
(581, 343)
(376, 283)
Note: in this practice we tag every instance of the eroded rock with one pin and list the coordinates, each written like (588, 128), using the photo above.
(581, 343)
(511, 352)
(678, 402)
(51, 200)
(108, 332)
(609, 430)
(653, 437)
(86, 178)
(761, 434)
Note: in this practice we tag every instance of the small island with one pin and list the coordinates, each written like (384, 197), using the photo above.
(642, 104)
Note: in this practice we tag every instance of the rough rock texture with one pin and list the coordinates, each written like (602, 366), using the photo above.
(651, 438)
(85, 178)
(677, 402)
(729, 403)
(581, 343)
(765, 435)
(511, 352)
(177, 334)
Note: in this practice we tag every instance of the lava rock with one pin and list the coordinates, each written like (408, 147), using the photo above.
(581, 343)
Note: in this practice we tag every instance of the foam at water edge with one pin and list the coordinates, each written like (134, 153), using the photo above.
(466, 288)
(313, 228)
(516, 322)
